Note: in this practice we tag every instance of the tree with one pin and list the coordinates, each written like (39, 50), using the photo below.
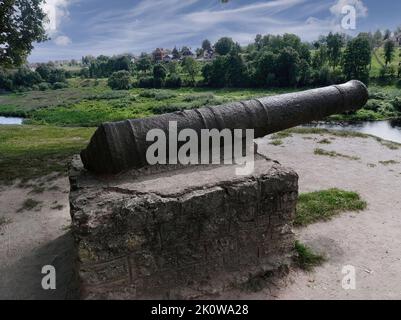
(21, 24)
(287, 67)
(120, 80)
(122, 63)
(389, 49)
(378, 38)
(387, 35)
(26, 78)
(334, 45)
(265, 71)
(57, 75)
(224, 45)
(191, 67)
(236, 72)
(176, 54)
(159, 72)
(144, 63)
(206, 45)
(357, 58)
(44, 70)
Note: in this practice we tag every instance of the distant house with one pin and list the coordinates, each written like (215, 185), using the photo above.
(158, 54)
(186, 52)
(168, 58)
(208, 54)
(398, 39)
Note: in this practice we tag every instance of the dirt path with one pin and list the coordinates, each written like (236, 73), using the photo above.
(370, 241)
(34, 238)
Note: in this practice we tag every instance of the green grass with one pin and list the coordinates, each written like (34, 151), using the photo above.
(343, 134)
(324, 141)
(4, 221)
(29, 204)
(89, 102)
(28, 152)
(376, 66)
(323, 205)
(277, 142)
(333, 154)
(306, 259)
(388, 162)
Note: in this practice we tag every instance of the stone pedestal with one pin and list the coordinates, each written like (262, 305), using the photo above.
(180, 232)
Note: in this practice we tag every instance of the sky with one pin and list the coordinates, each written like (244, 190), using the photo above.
(82, 27)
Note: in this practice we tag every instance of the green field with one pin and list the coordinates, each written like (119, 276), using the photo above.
(59, 123)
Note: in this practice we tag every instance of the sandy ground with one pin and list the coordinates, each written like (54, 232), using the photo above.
(370, 241)
(34, 238)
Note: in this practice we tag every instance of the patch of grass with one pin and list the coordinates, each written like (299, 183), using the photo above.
(321, 131)
(306, 259)
(29, 204)
(37, 189)
(323, 205)
(281, 135)
(324, 141)
(277, 142)
(57, 207)
(388, 162)
(4, 221)
(389, 144)
(333, 154)
(343, 134)
(28, 152)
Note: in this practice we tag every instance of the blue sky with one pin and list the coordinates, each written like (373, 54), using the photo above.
(81, 27)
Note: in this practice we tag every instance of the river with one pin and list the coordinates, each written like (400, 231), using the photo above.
(387, 130)
(11, 120)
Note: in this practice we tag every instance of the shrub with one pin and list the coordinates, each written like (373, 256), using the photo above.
(145, 82)
(120, 80)
(397, 104)
(60, 85)
(173, 81)
(373, 105)
(43, 86)
(158, 83)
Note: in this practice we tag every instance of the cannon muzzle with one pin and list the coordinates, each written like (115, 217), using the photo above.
(120, 146)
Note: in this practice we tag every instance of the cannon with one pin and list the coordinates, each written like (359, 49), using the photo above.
(120, 146)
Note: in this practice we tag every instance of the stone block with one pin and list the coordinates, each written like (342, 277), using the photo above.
(164, 232)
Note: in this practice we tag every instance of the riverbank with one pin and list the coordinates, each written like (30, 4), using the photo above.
(94, 103)
(36, 218)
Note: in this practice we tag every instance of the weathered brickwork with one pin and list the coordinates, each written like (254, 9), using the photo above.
(134, 242)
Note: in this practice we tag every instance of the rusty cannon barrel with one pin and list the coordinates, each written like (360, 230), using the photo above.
(119, 146)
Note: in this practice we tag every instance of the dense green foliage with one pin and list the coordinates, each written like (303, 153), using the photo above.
(21, 24)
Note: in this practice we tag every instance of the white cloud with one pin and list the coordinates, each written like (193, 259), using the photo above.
(361, 9)
(57, 11)
(62, 41)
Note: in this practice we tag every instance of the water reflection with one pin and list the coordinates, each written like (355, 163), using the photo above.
(11, 120)
(388, 130)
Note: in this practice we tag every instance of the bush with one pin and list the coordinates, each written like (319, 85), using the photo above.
(43, 86)
(60, 85)
(173, 81)
(145, 82)
(158, 83)
(373, 105)
(120, 80)
(397, 104)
